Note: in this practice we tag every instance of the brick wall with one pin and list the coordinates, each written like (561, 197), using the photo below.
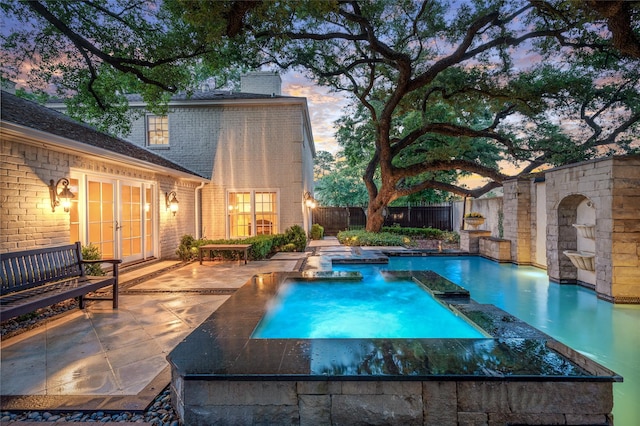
(172, 228)
(27, 220)
(262, 146)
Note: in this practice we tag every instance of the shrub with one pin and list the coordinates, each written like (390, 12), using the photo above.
(296, 235)
(188, 248)
(451, 237)
(428, 233)
(364, 238)
(288, 247)
(261, 246)
(92, 252)
(317, 231)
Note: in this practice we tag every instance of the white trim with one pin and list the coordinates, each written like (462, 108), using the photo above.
(84, 176)
(148, 144)
(252, 197)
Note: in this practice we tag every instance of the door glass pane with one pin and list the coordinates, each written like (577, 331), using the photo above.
(148, 223)
(131, 226)
(100, 209)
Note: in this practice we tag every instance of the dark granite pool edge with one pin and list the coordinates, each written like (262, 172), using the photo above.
(230, 329)
(229, 393)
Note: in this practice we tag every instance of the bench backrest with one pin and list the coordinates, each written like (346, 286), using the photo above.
(31, 268)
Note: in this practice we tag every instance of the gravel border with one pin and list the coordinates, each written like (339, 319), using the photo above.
(160, 413)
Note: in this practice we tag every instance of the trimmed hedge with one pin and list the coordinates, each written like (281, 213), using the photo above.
(262, 246)
(395, 236)
(424, 233)
(364, 238)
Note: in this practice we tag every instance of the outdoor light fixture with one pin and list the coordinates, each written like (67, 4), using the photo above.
(309, 201)
(171, 201)
(60, 198)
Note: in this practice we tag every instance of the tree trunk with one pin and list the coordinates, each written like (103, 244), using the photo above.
(375, 219)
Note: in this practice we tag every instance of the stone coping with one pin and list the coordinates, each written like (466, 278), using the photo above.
(331, 275)
(221, 348)
(434, 283)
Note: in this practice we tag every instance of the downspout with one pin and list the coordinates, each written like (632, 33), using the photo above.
(464, 211)
(198, 209)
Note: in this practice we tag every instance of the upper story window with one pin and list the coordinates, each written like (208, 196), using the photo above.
(157, 130)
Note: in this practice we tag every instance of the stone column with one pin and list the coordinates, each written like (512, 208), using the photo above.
(517, 219)
(625, 235)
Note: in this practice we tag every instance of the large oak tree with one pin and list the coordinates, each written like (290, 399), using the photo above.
(540, 82)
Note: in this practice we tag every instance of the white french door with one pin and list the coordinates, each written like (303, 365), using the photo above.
(117, 216)
(131, 221)
(101, 216)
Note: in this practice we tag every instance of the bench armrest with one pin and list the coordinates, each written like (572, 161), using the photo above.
(114, 262)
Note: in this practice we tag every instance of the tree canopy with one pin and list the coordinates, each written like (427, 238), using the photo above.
(444, 88)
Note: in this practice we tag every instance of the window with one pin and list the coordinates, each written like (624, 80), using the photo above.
(265, 213)
(157, 130)
(252, 213)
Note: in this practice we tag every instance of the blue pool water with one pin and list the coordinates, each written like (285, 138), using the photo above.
(371, 308)
(607, 333)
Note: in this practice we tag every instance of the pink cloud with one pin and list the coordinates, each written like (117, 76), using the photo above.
(325, 108)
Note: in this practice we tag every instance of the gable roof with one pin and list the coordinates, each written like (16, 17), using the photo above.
(211, 95)
(80, 136)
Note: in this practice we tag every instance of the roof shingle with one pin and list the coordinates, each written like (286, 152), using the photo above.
(32, 115)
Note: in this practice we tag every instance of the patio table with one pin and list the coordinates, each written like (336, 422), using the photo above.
(224, 247)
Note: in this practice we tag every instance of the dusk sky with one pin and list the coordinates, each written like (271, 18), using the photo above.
(324, 108)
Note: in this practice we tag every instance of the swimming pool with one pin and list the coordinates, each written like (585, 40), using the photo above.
(607, 333)
(373, 307)
(520, 374)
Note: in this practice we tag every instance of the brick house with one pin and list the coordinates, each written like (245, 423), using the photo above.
(239, 164)
(255, 145)
(120, 190)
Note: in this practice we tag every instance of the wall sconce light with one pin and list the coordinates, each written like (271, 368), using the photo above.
(309, 201)
(60, 198)
(171, 201)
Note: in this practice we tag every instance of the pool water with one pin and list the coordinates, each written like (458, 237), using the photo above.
(371, 308)
(607, 333)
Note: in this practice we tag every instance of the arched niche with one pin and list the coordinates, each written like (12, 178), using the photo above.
(574, 249)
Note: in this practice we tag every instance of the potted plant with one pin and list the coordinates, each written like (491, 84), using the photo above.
(473, 219)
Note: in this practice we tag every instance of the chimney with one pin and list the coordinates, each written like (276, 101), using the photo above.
(261, 82)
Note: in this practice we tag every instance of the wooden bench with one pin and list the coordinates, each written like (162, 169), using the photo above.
(225, 247)
(37, 278)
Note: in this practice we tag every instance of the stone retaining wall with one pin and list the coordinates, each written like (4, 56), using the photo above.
(442, 403)
(470, 240)
(495, 249)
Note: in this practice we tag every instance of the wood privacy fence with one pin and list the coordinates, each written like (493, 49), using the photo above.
(336, 219)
